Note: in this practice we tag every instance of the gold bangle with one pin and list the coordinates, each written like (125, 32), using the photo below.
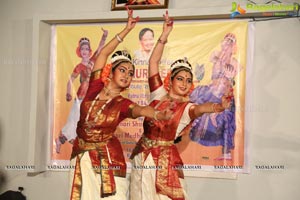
(155, 115)
(162, 42)
(119, 38)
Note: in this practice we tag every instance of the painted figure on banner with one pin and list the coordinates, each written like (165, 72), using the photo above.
(218, 129)
(156, 164)
(83, 70)
(100, 167)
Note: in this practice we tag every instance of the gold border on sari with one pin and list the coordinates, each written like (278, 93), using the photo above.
(163, 175)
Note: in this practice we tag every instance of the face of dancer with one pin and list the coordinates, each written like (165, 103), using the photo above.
(181, 83)
(85, 51)
(147, 41)
(123, 74)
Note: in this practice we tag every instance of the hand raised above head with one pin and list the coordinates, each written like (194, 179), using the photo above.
(131, 21)
(168, 22)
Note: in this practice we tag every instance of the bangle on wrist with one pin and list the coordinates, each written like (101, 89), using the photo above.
(155, 115)
(213, 107)
(119, 38)
(162, 42)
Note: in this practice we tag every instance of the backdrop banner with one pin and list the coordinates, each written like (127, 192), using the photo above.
(219, 53)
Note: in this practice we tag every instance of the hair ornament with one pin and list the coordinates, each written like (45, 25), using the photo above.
(123, 56)
(181, 63)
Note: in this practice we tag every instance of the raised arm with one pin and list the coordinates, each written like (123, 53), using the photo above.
(159, 47)
(113, 43)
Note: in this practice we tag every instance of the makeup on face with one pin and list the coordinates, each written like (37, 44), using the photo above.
(181, 83)
(122, 74)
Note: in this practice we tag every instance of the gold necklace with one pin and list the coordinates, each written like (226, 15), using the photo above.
(108, 92)
(99, 112)
(174, 99)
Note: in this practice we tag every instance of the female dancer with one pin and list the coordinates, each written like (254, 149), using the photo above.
(156, 149)
(83, 69)
(100, 167)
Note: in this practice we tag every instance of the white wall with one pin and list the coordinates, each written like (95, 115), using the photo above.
(274, 133)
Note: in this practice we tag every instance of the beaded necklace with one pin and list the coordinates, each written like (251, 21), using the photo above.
(108, 92)
(99, 111)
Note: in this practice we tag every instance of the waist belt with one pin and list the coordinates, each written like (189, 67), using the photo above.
(91, 145)
(155, 143)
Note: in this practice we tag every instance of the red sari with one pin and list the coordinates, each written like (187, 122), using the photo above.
(157, 140)
(98, 121)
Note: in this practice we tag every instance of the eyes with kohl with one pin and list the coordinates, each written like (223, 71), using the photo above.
(123, 74)
(181, 83)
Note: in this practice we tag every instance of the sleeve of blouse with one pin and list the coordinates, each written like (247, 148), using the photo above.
(126, 108)
(156, 88)
(76, 70)
(158, 94)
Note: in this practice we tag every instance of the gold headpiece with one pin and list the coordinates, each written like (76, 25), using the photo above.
(124, 56)
(181, 63)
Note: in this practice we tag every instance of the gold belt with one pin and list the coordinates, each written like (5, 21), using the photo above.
(91, 145)
(155, 143)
